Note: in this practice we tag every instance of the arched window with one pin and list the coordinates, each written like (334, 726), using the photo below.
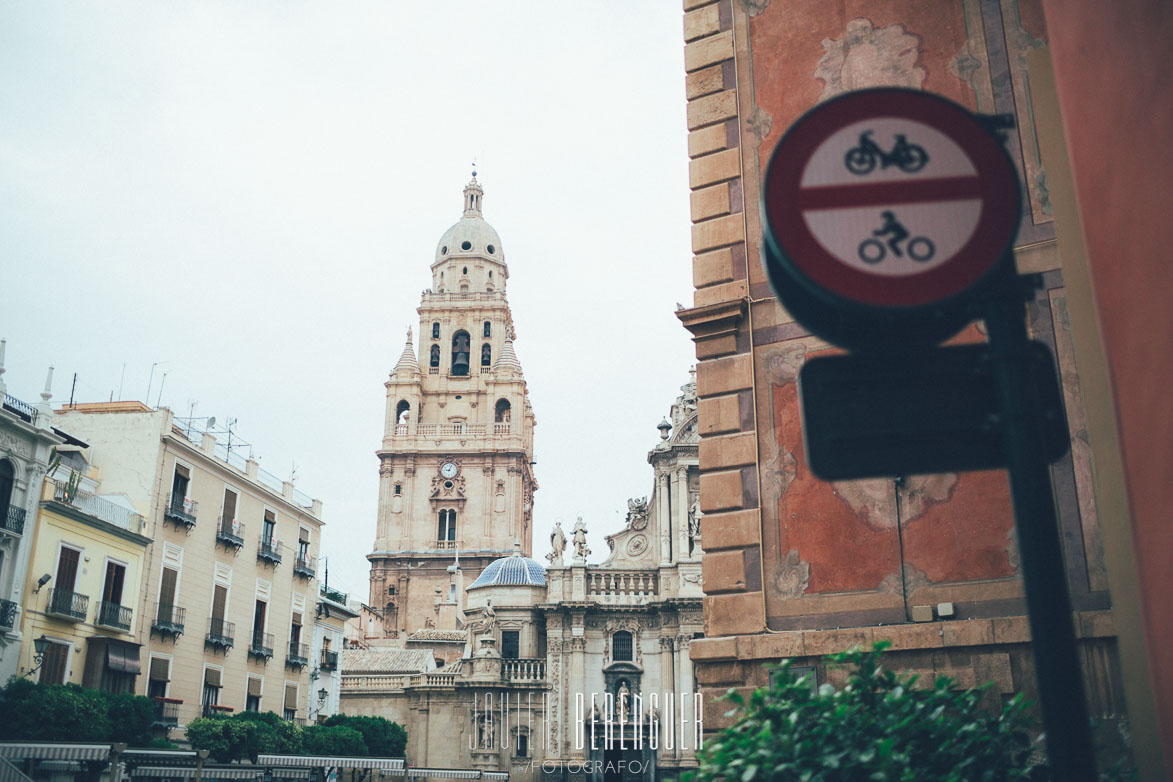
(7, 479)
(402, 412)
(486, 355)
(435, 331)
(502, 411)
(446, 530)
(621, 646)
(460, 348)
(489, 324)
(435, 360)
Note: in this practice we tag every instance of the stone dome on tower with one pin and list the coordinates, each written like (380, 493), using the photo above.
(471, 235)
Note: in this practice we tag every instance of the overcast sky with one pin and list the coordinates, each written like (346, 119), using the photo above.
(250, 195)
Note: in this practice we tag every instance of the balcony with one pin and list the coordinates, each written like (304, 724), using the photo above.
(7, 614)
(22, 410)
(216, 710)
(114, 616)
(524, 669)
(181, 510)
(448, 545)
(299, 655)
(67, 605)
(261, 646)
(304, 566)
(269, 550)
(166, 712)
(329, 660)
(220, 634)
(12, 520)
(230, 533)
(168, 620)
(333, 595)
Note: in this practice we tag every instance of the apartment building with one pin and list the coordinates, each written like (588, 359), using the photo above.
(27, 440)
(230, 577)
(80, 622)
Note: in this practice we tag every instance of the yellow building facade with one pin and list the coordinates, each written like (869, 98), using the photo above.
(83, 588)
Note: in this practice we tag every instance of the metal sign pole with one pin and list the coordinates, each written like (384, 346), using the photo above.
(1057, 668)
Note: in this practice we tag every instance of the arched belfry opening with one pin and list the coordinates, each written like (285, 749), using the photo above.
(403, 412)
(460, 348)
(486, 355)
(502, 411)
(434, 361)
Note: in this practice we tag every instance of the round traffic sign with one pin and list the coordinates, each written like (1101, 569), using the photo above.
(881, 208)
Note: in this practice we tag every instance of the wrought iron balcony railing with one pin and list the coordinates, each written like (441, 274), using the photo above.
(261, 646)
(7, 614)
(299, 655)
(168, 620)
(12, 520)
(71, 606)
(269, 550)
(230, 533)
(181, 510)
(220, 633)
(329, 660)
(304, 566)
(333, 595)
(167, 712)
(113, 615)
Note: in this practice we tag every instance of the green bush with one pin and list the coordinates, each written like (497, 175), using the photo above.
(60, 712)
(334, 740)
(878, 727)
(382, 737)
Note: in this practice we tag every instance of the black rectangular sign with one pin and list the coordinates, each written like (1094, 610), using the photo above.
(891, 415)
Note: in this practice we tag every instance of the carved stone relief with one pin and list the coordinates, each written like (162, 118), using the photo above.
(870, 56)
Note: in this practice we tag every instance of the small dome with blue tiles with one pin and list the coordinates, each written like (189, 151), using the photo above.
(513, 570)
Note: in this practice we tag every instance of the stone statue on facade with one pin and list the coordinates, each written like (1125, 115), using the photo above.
(694, 521)
(623, 697)
(581, 552)
(557, 544)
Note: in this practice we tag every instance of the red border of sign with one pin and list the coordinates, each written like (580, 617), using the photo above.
(996, 179)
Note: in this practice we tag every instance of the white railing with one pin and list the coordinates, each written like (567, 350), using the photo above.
(99, 508)
(619, 587)
(437, 680)
(524, 669)
(452, 430)
(378, 683)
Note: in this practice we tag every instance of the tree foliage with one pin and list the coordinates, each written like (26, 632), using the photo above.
(67, 712)
(334, 740)
(382, 737)
(879, 727)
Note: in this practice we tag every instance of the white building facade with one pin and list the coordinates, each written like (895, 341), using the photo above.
(27, 442)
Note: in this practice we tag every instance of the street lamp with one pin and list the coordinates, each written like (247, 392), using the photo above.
(39, 647)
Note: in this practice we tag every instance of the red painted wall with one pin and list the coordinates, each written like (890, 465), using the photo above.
(1112, 66)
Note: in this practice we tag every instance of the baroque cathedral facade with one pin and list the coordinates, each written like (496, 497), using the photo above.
(559, 669)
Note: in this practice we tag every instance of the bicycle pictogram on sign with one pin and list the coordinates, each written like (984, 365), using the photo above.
(862, 159)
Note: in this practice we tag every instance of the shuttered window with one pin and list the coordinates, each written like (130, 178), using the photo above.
(159, 676)
(290, 701)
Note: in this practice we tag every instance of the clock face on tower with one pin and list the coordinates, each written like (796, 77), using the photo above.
(448, 470)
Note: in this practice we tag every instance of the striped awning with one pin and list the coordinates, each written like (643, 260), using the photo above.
(213, 772)
(444, 773)
(389, 765)
(159, 756)
(20, 750)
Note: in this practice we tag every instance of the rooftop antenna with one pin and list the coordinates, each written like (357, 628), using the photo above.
(159, 398)
(292, 471)
(71, 389)
(120, 380)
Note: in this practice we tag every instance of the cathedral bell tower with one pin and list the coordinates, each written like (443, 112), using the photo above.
(456, 484)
